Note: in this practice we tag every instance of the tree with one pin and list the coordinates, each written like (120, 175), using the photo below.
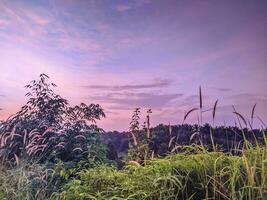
(48, 127)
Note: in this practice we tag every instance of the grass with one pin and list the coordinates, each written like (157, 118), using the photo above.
(194, 174)
(212, 175)
(27, 182)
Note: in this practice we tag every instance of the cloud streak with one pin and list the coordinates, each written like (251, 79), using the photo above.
(157, 83)
(133, 99)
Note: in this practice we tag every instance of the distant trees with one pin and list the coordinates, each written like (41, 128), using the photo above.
(47, 127)
(227, 139)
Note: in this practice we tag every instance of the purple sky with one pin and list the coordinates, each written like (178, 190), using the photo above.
(145, 53)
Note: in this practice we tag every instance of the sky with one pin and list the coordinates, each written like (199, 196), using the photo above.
(138, 53)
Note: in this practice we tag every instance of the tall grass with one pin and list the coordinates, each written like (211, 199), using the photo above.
(213, 175)
(27, 182)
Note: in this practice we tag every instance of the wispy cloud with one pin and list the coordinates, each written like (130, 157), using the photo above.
(223, 89)
(248, 97)
(157, 83)
(132, 99)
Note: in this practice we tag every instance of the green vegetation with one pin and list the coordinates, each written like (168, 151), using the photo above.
(28, 181)
(51, 150)
(201, 176)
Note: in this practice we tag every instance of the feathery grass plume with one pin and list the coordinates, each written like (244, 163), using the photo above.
(170, 129)
(152, 155)
(134, 139)
(252, 114)
(170, 135)
(171, 141)
(16, 159)
(28, 181)
(200, 98)
(77, 149)
(190, 111)
(214, 111)
(200, 104)
(12, 133)
(134, 163)
(241, 117)
(25, 137)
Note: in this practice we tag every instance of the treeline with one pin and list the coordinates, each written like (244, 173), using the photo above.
(166, 139)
